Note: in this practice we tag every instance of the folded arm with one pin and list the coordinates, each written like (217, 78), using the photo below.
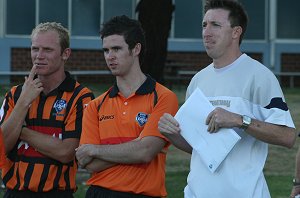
(53, 147)
(134, 152)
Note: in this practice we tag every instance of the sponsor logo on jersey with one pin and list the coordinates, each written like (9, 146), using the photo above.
(225, 103)
(106, 117)
(141, 118)
(60, 105)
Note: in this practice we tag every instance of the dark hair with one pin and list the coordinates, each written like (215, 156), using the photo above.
(237, 13)
(129, 28)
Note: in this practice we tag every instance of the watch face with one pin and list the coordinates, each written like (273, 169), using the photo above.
(247, 120)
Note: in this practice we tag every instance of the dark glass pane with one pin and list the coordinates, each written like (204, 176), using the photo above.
(54, 10)
(288, 18)
(85, 17)
(256, 14)
(117, 7)
(20, 16)
(188, 19)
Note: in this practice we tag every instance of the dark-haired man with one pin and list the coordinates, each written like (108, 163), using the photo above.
(120, 142)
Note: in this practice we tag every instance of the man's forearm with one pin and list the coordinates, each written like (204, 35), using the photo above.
(12, 126)
(97, 165)
(55, 148)
(133, 152)
(272, 134)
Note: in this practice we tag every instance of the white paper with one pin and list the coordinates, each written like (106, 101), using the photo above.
(212, 147)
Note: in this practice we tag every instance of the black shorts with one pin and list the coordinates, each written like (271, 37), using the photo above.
(31, 194)
(99, 192)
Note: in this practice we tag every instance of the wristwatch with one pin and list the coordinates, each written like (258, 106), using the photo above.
(246, 122)
(296, 182)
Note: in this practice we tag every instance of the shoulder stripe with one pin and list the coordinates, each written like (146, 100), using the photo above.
(277, 103)
(17, 93)
(74, 95)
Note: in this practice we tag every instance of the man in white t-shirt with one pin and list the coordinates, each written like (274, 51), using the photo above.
(248, 99)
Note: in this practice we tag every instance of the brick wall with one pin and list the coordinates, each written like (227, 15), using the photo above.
(94, 60)
(290, 63)
(79, 60)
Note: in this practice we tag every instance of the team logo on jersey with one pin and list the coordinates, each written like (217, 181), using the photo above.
(141, 118)
(59, 105)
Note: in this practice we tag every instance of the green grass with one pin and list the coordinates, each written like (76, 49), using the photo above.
(279, 168)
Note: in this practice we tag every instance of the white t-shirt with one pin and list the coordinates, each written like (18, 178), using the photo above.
(248, 88)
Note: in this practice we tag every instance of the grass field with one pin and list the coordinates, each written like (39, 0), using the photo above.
(279, 168)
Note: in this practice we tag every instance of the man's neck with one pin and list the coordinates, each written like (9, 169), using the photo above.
(50, 83)
(128, 86)
(223, 62)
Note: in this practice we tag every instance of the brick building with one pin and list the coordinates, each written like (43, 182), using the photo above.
(272, 37)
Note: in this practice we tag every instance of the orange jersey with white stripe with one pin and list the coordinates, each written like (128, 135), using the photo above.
(120, 120)
(58, 114)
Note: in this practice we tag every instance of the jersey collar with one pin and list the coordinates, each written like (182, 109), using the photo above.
(66, 86)
(146, 88)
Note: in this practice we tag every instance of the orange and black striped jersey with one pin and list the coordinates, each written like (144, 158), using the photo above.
(2, 150)
(58, 114)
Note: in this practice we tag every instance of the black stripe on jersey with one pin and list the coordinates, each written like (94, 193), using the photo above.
(41, 160)
(28, 174)
(57, 177)
(45, 123)
(41, 105)
(71, 134)
(70, 102)
(44, 177)
(277, 103)
(67, 178)
(9, 97)
(17, 93)
(8, 175)
(17, 186)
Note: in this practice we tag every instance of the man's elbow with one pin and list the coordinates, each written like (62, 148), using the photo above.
(66, 157)
(290, 139)
(146, 157)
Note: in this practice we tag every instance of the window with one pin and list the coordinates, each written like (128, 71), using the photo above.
(188, 19)
(54, 10)
(20, 16)
(288, 18)
(118, 7)
(85, 17)
(256, 23)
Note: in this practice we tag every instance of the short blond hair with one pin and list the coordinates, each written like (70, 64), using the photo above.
(63, 33)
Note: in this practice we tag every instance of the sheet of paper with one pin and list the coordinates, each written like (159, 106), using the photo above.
(212, 147)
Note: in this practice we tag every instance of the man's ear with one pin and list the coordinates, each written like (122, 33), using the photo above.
(137, 49)
(237, 32)
(66, 54)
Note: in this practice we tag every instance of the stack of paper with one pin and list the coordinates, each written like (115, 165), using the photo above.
(212, 147)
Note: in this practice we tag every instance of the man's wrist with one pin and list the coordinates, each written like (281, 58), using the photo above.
(246, 121)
